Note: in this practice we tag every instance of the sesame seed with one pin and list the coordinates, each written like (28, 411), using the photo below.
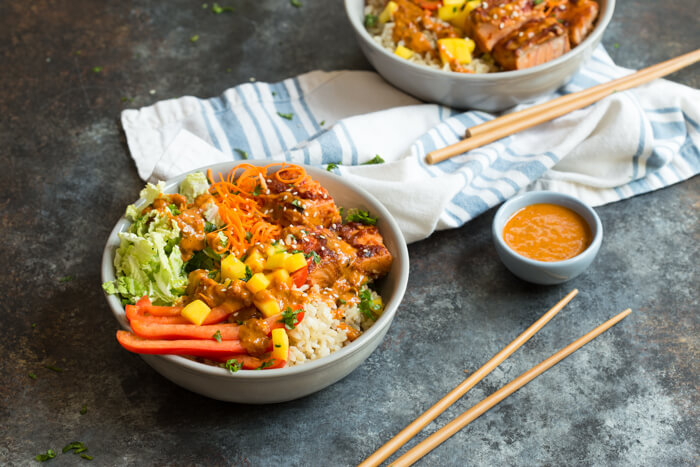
(530, 34)
(520, 34)
(501, 26)
(495, 16)
(562, 7)
(484, 5)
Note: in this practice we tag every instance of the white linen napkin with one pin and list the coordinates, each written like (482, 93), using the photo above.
(629, 143)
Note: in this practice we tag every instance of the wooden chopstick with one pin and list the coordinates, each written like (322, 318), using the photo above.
(480, 408)
(429, 415)
(501, 127)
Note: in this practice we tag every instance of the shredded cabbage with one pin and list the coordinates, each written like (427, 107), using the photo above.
(149, 262)
(193, 185)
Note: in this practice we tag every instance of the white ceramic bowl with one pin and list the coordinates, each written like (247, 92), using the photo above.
(544, 272)
(490, 91)
(278, 385)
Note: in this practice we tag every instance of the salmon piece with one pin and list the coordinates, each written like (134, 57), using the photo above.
(307, 203)
(493, 20)
(373, 261)
(578, 17)
(537, 42)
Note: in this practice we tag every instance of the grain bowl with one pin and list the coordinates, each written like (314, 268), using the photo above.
(305, 375)
(489, 91)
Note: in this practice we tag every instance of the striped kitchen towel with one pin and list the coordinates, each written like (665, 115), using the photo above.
(629, 143)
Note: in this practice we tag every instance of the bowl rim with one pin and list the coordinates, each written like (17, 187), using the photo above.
(597, 32)
(549, 197)
(107, 274)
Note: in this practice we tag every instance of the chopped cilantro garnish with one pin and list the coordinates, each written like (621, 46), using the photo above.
(323, 122)
(277, 346)
(342, 301)
(266, 364)
(242, 153)
(363, 217)
(257, 190)
(375, 160)
(66, 279)
(314, 255)
(86, 457)
(288, 116)
(31, 375)
(297, 204)
(204, 259)
(83, 409)
(217, 336)
(289, 318)
(50, 454)
(217, 9)
(75, 445)
(194, 38)
(209, 227)
(96, 69)
(371, 20)
(248, 236)
(537, 2)
(616, 45)
(367, 304)
(233, 365)
(295, 3)
(248, 273)
(174, 210)
(54, 368)
(332, 166)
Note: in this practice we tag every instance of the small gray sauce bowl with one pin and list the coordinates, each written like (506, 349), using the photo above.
(544, 272)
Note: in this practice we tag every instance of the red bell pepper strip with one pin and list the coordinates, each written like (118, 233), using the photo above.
(428, 5)
(147, 311)
(299, 277)
(193, 347)
(151, 330)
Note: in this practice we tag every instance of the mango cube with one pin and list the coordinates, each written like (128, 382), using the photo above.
(255, 261)
(275, 248)
(232, 268)
(453, 49)
(276, 261)
(403, 52)
(257, 283)
(295, 262)
(450, 9)
(280, 276)
(388, 12)
(196, 312)
(460, 18)
(280, 344)
(268, 307)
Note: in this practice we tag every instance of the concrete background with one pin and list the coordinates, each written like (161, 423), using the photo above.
(628, 398)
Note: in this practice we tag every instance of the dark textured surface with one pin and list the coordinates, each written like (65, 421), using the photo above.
(628, 398)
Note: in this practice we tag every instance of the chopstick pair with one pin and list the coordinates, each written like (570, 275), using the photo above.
(480, 408)
(501, 127)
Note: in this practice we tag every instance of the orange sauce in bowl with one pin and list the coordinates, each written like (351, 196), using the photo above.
(547, 232)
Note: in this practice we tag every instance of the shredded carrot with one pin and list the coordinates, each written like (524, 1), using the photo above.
(240, 196)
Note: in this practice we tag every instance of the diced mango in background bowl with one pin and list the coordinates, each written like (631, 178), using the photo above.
(456, 49)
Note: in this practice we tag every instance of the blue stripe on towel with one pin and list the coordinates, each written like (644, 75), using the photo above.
(305, 105)
(207, 123)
